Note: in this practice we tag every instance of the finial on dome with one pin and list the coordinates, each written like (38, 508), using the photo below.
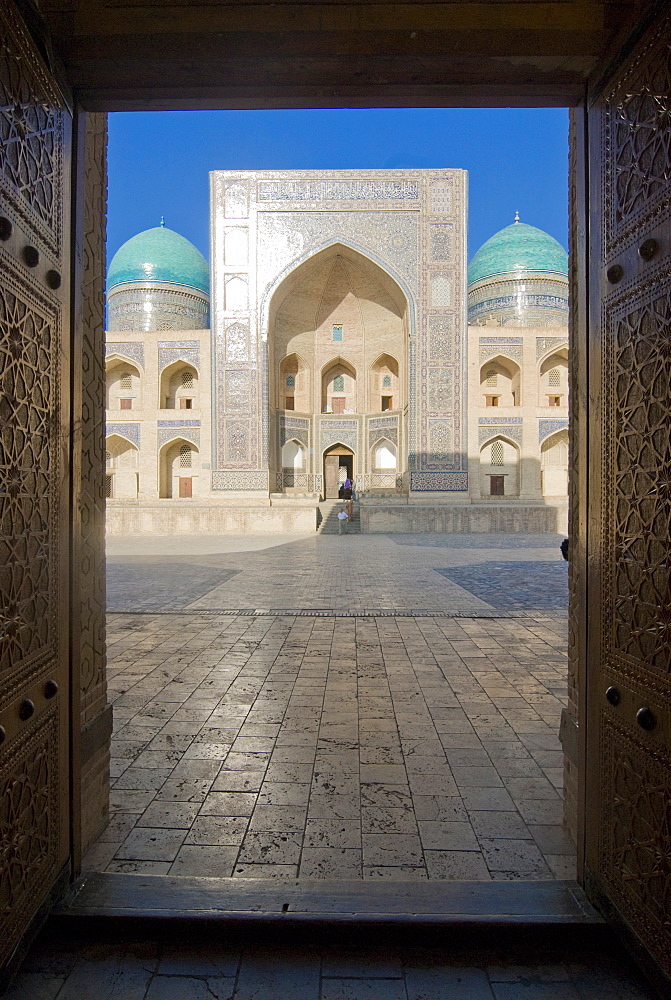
(163, 222)
(517, 216)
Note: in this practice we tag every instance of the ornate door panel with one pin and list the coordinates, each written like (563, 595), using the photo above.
(628, 771)
(34, 468)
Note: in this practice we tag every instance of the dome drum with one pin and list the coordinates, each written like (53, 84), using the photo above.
(519, 277)
(156, 307)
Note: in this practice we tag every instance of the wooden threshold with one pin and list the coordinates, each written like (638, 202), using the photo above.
(280, 903)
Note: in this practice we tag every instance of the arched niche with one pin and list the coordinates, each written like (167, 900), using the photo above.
(499, 467)
(293, 389)
(554, 465)
(339, 387)
(179, 469)
(384, 456)
(500, 382)
(336, 301)
(293, 456)
(553, 379)
(384, 385)
(123, 384)
(121, 465)
(179, 387)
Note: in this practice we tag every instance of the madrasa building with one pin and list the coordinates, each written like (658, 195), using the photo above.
(337, 333)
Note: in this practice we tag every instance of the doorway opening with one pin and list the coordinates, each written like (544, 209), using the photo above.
(338, 466)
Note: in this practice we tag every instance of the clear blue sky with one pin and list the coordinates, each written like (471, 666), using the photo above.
(159, 161)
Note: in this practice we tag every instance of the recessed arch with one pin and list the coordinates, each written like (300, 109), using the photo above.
(500, 381)
(554, 464)
(178, 386)
(499, 466)
(179, 468)
(121, 465)
(292, 389)
(384, 384)
(384, 456)
(395, 283)
(339, 386)
(553, 378)
(123, 384)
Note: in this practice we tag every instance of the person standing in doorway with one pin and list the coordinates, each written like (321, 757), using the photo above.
(342, 522)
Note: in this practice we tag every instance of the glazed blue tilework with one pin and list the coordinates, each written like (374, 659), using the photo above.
(518, 248)
(500, 420)
(439, 482)
(548, 427)
(159, 254)
(240, 479)
(501, 340)
(166, 434)
(178, 423)
(129, 431)
(134, 351)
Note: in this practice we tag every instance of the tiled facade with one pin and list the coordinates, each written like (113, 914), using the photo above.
(338, 326)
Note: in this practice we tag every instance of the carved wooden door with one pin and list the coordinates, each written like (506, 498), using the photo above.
(35, 131)
(331, 465)
(628, 767)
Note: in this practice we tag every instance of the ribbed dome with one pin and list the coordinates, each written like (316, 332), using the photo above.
(159, 254)
(515, 249)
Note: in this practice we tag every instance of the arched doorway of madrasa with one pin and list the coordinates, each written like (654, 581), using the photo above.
(338, 370)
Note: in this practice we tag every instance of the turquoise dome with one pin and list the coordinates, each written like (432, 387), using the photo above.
(159, 254)
(515, 249)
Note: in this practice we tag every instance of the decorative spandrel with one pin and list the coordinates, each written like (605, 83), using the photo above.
(29, 472)
(31, 134)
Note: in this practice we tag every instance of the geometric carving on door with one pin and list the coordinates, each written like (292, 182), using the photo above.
(638, 514)
(31, 140)
(636, 833)
(637, 138)
(29, 466)
(91, 521)
(29, 823)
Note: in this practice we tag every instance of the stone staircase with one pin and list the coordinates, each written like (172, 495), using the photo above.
(327, 519)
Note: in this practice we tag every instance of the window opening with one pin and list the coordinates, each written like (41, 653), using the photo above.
(187, 380)
(496, 486)
(497, 453)
(126, 381)
(554, 377)
(289, 403)
(338, 404)
(491, 400)
(336, 332)
(184, 457)
(492, 379)
(291, 381)
(554, 400)
(386, 403)
(125, 404)
(386, 382)
(339, 383)
(108, 486)
(108, 458)
(186, 404)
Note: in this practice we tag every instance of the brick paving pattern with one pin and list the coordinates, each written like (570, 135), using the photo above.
(165, 971)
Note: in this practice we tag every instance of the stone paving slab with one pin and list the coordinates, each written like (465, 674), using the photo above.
(319, 571)
(154, 970)
(336, 747)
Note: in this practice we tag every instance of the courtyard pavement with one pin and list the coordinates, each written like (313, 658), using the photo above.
(380, 707)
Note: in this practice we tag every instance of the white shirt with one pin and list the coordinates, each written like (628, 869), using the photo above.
(342, 516)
